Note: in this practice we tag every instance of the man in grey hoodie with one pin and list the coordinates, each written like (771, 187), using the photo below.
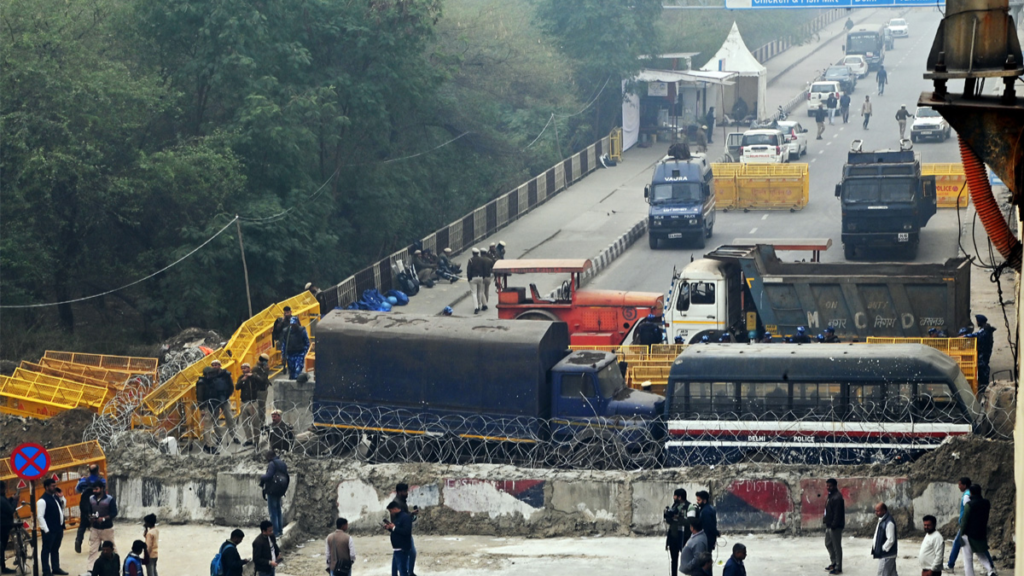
(690, 558)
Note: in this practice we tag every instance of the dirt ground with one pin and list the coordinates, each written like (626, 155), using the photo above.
(188, 549)
(61, 430)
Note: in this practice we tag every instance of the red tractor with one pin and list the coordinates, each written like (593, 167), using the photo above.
(595, 317)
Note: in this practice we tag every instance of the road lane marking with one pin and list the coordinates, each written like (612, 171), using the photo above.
(829, 143)
(765, 217)
(752, 230)
(821, 151)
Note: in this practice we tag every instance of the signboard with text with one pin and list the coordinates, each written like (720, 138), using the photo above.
(819, 4)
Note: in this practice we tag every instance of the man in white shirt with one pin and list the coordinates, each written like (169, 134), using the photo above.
(341, 550)
(933, 548)
(50, 519)
(885, 546)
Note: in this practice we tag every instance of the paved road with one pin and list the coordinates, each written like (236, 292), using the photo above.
(641, 268)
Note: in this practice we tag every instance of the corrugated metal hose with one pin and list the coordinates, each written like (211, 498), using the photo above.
(987, 207)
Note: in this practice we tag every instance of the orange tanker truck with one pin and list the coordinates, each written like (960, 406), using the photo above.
(595, 317)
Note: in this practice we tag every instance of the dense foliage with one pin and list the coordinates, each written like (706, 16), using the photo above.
(338, 130)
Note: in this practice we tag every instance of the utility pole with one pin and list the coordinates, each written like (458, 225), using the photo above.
(245, 268)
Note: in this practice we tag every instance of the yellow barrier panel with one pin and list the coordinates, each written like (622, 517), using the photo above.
(667, 349)
(615, 144)
(69, 463)
(115, 378)
(65, 374)
(250, 340)
(48, 396)
(761, 186)
(963, 350)
(132, 364)
(639, 376)
(950, 184)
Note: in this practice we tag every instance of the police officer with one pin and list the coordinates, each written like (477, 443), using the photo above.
(648, 332)
(830, 336)
(985, 342)
(801, 336)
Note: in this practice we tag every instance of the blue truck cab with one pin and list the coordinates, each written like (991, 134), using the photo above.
(682, 199)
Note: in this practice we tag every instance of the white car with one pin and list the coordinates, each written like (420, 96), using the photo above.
(857, 63)
(929, 124)
(796, 137)
(898, 27)
(763, 147)
(818, 93)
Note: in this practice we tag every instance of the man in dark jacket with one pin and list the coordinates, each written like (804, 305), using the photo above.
(488, 276)
(50, 512)
(265, 553)
(475, 269)
(6, 525)
(985, 343)
(974, 532)
(844, 107)
(835, 521)
(84, 487)
(819, 119)
(253, 391)
(274, 465)
(709, 121)
(218, 387)
(281, 323)
(401, 539)
(885, 546)
(230, 560)
(108, 563)
(831, 104)
(294, 345)
(735, 567)
(708, 518)
(104, 510)
(678, 533)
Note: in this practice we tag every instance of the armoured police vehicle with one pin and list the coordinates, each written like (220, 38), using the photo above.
(682, 199)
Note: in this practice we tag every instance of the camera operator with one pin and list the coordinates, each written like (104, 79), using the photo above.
(678, 517)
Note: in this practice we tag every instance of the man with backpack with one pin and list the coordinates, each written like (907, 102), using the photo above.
(228, 562)
(275, 484)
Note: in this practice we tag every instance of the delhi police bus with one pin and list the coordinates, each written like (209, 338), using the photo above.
(869, 42)
(814, 403)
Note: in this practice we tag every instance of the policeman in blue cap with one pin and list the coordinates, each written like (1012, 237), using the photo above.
(801, 336)
(649, 332)
(985, 343)
(830, 336)
(679, 339)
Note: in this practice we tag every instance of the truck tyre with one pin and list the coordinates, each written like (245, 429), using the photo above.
(711, 230)
(701, 240)
(849, 251)
(652, 240)
(538, 315)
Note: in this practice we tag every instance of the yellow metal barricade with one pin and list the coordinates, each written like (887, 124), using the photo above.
(649, 378)
(667, 349)
(963, 350)
(625, 353)
(65, 374)
(727, 192)
(115, 378)
(68, 463)
(950, 184)
(615, 144)
(773, 186)
(131, 364)
(41, 396)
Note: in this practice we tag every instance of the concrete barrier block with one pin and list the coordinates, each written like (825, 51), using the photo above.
(650, 500)
(240, 499)
(861, 495)
(595, 500)
(494, 497)
(359, 502)
(187, 501)
(940, 499)
(754, 505)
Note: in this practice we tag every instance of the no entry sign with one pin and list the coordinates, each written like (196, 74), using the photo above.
(30, 461)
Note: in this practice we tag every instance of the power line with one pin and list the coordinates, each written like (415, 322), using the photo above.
(129, 285)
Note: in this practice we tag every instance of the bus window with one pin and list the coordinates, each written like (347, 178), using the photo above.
(702, 293)
(866, 402)
(935, 403)
(898, 401)
(764, 399)
(712, 398)
(815, 401)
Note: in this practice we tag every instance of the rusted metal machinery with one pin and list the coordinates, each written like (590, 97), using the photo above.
(977, 41)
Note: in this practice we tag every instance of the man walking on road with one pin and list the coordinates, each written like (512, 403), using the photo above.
(50, 519)
(885, 547)
(831, 104)
(882, 77)
(341, 550)
(475, 275)
(974, 532)
(401, 539)
(835, 521)
(965, 485)
(735, 567)
(865, 111)
(402, 497)
(844, 107)
(901, 117)
(933, 548)
(104, 510)
(819, 118)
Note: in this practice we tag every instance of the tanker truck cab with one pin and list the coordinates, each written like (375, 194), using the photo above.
(682, 199)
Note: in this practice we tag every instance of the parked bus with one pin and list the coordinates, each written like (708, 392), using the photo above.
(814, 403)
(869, 42)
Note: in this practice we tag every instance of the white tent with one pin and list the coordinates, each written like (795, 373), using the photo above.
(752, 84)
(682, 79)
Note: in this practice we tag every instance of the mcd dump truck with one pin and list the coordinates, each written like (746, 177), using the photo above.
(747, 290)
(594, 317)
(406, 383)
(886, 201)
